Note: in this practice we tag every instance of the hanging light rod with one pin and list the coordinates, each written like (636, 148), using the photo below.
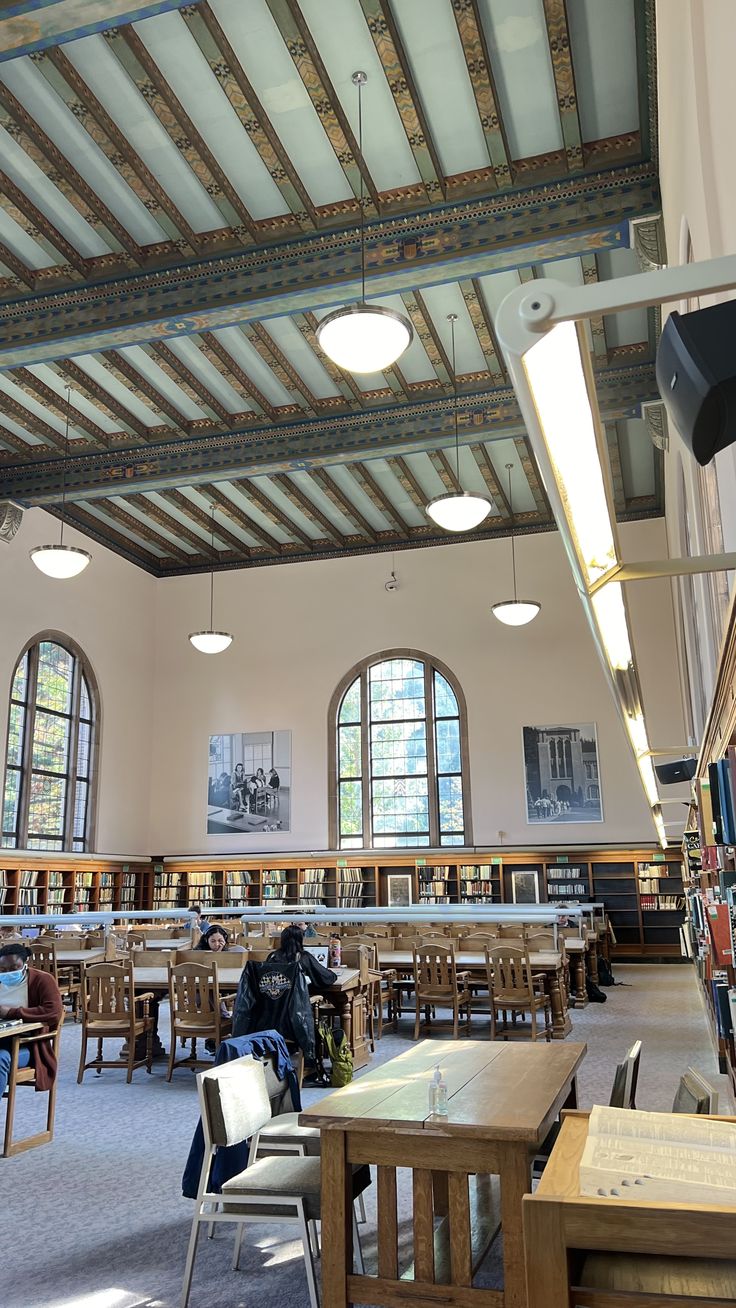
(457, 510)
(514, 612)
(363, 337)
(62, 561)
(210, 641)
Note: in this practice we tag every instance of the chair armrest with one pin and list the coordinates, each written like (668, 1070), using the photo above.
(461, 976)
(139, 999)
(388, 974)
(33, 1039)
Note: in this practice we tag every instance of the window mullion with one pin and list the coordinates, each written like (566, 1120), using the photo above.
(365, 762)
(71, 762)
(432, 779)
(24, 800)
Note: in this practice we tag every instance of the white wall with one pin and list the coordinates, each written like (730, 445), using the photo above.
(109, 611)
(300, 627)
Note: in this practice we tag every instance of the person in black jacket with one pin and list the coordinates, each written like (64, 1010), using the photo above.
(291, 950)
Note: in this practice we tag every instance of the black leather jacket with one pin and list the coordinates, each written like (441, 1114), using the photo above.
(275, 996)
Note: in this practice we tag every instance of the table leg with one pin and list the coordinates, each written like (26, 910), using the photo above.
(515, 1174)
(593, 961)
(581, 993)
(337, 1219)
(561, 1024)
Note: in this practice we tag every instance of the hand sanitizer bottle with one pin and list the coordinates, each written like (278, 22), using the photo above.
(433, 1085)
(441, 1094)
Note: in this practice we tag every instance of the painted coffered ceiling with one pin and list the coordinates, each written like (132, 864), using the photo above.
(179, 206)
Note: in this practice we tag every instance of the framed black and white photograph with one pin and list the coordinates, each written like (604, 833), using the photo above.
(249, 783)
(399, 889)
(561, 774)
(525, 886)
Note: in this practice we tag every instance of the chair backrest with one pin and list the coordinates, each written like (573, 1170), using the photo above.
(226, 957)
(150, 957)
(365, 942)
(476, 942)
(694, 1094)
(94, 939)
(359, 956)
(108, 990)
(509, 970)
(434, 937)
(137, 940)
(234, 1101)
(43, 955)
(434, 966)
(194, 993)
(70, 940)
(378, 929)
(540, 942)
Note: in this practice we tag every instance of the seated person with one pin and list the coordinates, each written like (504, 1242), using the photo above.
(215, 939)
(291, 950)
(32, 996)
(274, 780)
(200, 920)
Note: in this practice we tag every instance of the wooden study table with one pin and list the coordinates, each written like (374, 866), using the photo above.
(503, 1099)
(548, 961)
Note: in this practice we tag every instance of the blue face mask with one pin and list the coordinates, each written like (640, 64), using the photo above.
(12, 978)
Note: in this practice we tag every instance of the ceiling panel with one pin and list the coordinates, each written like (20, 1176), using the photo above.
(522, 67)
(603, 43)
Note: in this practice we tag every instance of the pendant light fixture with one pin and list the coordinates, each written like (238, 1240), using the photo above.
(515, 612)
(211, 641)
(458, 510)
(363, 337)
(62, 561)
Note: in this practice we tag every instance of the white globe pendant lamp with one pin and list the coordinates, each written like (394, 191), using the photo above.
(458, 510)
(363, 337)
(61, 561)
(211, 641)
(514, 612)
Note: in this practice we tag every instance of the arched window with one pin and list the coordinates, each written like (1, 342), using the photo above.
(399, 756)
(50, 759)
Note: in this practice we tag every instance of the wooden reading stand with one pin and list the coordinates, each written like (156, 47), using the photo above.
(615, 1253)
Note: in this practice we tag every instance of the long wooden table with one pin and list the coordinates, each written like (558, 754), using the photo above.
(549, 962)
(503, 1099)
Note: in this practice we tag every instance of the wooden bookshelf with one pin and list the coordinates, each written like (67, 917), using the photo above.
(55, 883)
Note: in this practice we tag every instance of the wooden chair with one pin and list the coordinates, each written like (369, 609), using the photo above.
(437, 981)
(27, 1076)
(43, 957)
(195, 1005)
(111, 1010)
(514, 989)
(695, 1095)
(382, 985)
(235, 1106)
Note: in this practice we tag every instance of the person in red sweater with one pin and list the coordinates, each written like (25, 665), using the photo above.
(35, 997)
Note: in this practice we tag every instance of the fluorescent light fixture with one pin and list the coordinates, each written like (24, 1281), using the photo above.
(211, 642)
(557, 379)
(659, 824)
(364, 337)
(646, 772)
(610, 611)
(458, 510)
(637, 730)
(60, 561)
(516, 613)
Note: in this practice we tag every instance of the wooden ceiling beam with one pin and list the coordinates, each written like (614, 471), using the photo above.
(301, 46)
(480, 72)
(617, 474)
(397, 69)
(243, 99)
(589, 265)
(370, 487)
(216, 354)
(16, 266)
(528, 463)
(204, 520)
(487, 340)
(335, 494)
(63, 77)
(427, 333)
(37, 226)
(488, 472)
(105, 533)
(129, 520)
(445, 471)
(271, 511)
(41, 150)
(345, 383)
(15, 442)
(401, 470)
(560, 48)
(131, 376)
(196, 390)
(296, 496)
(29, 420)
(132, 54)
(171, 524)
(56, 404)
(241, 519)
(276, 360)
(110, 406)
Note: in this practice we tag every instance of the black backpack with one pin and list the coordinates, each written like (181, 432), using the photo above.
(605, 973)
(595, 996)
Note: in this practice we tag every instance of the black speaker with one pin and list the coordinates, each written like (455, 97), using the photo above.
(696, 377)
(670, 773)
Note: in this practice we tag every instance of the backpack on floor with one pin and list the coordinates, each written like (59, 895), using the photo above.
(595, 996)
(340, 1055)
(605, 972)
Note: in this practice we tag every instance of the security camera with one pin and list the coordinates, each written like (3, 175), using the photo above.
(392, 583)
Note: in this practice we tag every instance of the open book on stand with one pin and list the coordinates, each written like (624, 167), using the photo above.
(659, 1157)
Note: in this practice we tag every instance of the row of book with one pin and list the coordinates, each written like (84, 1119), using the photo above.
(312, 890)
(667, 903)
(567, 890)
(716, 802)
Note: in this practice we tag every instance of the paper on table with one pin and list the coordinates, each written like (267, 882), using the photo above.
(659, 1157)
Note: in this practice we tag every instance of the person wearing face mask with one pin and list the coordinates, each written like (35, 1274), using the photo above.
(32, 996)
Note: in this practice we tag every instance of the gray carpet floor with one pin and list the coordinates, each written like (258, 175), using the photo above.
(99, 1216)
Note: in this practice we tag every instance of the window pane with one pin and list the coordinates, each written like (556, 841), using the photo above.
(10, 802)
(400, 842)
(400, 804)
(448, 745)
(55, 672)
(450, 790)
(85, 705)
(43, 842)
(78, 846)
(80, 810)
(83, 743)
(46, 808)
(398, 748)
(351, 808)
(16, 723)
(445, 702)
(349, 746)
(452, 839)
(351, 842)
(20, 680)
(397, 690)
(8, 842)
(50, 742)
(350, 707)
